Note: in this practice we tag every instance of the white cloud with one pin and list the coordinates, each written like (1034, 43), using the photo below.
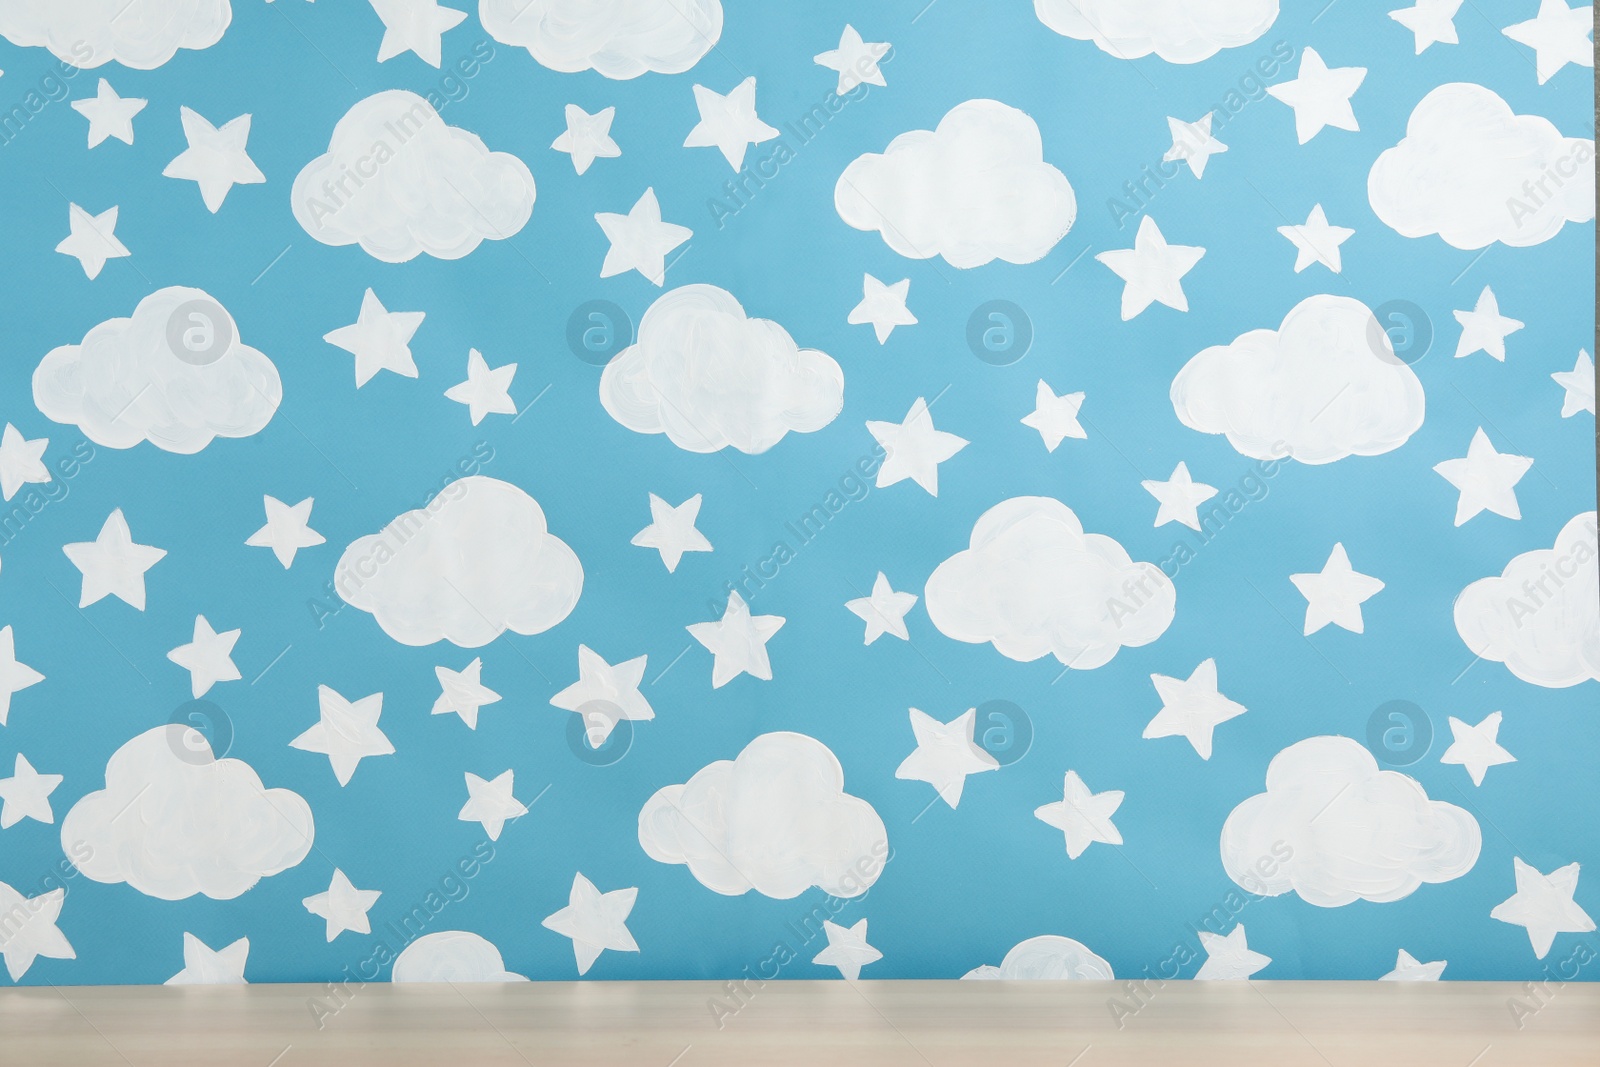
(172, 822)
(617, 38)
(176, 374)
(1325, 385)
(1474, 172)
(1540, 617)
(1047, 957)
(451, 956)
(400, 182)
(775, 819)
(974, 190)
(1034, 584)
(707, 376)
(91, 33)
(1179, 31)
(1335, 828)
(476, 561)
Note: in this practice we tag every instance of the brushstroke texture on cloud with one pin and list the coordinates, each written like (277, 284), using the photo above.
(1049, 957)
(617, 38)
(92, 33)
(1179, 31)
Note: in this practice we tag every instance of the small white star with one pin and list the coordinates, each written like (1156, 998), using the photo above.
(461, 693)
(204, 966)
(595, 921)
(22, 461)
(847, 949)
(346, 733)
(1484, 329)
(1193, 143)
(26, 795)
(486, 391)
(1486, 479)
(1317, 242)
(640, 240)
(1152, 270)
(1083, 817)
(672, 531)
(414, 26)
(1406, 966)
(1228, 958)
(344, 906)
(1055, 417)
(379, 339)
(605, 694)
(738, 642)
(1543, 904)
(1558, 35)
(587, 137)
(208, 657)
(215, 159)
(945, 754)
(729, 123)
(1180, 497)
(490, 802)
(884, 611)
(1192, 708)
(92, 239)
(1320, 95)
(1477, 748)
(882, 305)
(109, 115)
(30, 929)
(1430, 22)
(1578, 383)
(15, 676)
(855, 60)
(287, 530)
(914, 449)
(1336, 593)
(112, 564)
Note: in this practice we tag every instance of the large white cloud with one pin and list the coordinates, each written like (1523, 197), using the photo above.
(974, 190)
(172, 821)
(1179, 31)
(1474, 172)
(452, 956)
(1034, 584)
(474, 562)
(176, 374)
(1335, 828)
(617, 38)
(1048, 957)
(1541, 617)
(91, 33)
(1324, 385)
(400, 182)
(708, 376)
(775, 819)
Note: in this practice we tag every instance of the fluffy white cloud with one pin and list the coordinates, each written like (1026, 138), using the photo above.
(617, 38)
(172, 821)
(1179, 31)
(91, 33)
(1335, 828)
(707, 376)
(1034, 584)
(1474, 172)
(176, 374)
(1540, 617)
(775, 819)
(399, 182)
(1324, 385)
(476, 561)
(451, 956)
(974, 190)
(1048, 957)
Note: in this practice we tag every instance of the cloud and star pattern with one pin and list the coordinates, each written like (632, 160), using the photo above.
(527, 490)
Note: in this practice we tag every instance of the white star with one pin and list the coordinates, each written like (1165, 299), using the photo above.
(1152, 269)
(914, 448)
(208, 658)
(1432, 22)
(109, 115)
(855, 60)
(346, 733)
(1193, 143)
(729, 122)
(1558, 35)
(1484, 329)
(1317, 242)
(1229, 958)
(1055, 417)
(486, 391)
(215, 159)
(1543, 904)
(287, 530)
(26, 795)
(343, 905)
(945, 754)
(1406, 966)
(30, 929)
(1477, 748)
(112, 564)
(737, 642)
(22, 461)
(461, 693)
(1320, 95)
(595, 921)
(884, 611)
(1180, 497)
(1486, 479)
(1336, 593)
(14, 675)
(640, 240)
(491, 803)
(379, 339)
(203, 966)
(847, 949)
(605, 694)
(414, 26)
(1578, 382)
(1084, 817)
(672, 531)
(1192, 708)
(882, 305)
(92, 239)
(587, 137)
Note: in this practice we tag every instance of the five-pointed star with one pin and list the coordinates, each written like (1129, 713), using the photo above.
(1180, 497)
(30, 930)
(1320, 95)
(1084, 817)
(605, 694)
(346, 733)
(847, 949)
(92, 239)
(1229, 958)
(490, 802)
(205, 966)
(1543, 904)
(215, 159)
(1407, 968)
(1431, 22)
(1192, 707)
(1055, 417)
(1152, 269)
(671, 531)
(14, 676)
(287, 530)
(112, 564)
(343, 905)
(380, 339)
(737, 642)
(855, 60)
(1578, 382)
(729, 123)
(486, 391)
(1317, 242)
(22, 461)
(883, 305)
(884, 611)
(587, 137)
(1484, 329)
(1336, 593)
(109, 115)
(945, 754)
(26, 794)
(208, 658)
(595, 921)
(1558, 35)
(1193, 143)
(640, 240)
(414, 26)
(461, 693)
(1487, 479)
(914, 449)
(1477, 748)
